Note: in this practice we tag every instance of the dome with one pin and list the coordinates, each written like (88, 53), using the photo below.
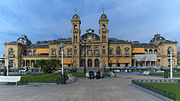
(103, 16)
(23, 40)
(90, 32)
(75, 16)
(158, 37)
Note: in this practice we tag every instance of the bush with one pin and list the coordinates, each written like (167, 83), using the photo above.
(48, 66)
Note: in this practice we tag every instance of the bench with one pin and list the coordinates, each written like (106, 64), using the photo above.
(71, 78)
(87, 75)
(112, 74)
(9, 79)
(146, 73)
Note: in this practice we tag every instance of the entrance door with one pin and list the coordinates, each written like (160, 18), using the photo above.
(89, 62)
(96, 62)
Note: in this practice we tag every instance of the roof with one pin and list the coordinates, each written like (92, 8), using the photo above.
(143, 45)
(103, 16)
(37, 45)
(90, 32)
(115, 40)
(75, 16)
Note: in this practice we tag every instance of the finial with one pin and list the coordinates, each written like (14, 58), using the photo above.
(75, 10)
(103, 10)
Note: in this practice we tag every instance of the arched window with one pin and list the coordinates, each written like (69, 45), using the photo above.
(89, 62)
(146, 52)
(155, 51)
(150, 51)
(96, 62)
(75, 27)
(126, 50)
(11, 49)
(34, 52)
(103, 26)
(118, 51)
(29, 52)
(25, 52)
(169, 50)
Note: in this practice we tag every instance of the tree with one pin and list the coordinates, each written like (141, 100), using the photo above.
(48, 66)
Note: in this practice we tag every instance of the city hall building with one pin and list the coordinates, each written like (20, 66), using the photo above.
(92, 50)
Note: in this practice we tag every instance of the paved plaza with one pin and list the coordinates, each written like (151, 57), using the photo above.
(108, 89)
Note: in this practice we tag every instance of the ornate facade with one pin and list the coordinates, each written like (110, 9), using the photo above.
(92, 50)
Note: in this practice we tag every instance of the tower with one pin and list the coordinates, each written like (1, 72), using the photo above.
(75, 21)
(103, 31)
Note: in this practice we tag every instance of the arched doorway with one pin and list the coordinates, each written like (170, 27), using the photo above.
(82, 63)
(89, 62)
(96, 62)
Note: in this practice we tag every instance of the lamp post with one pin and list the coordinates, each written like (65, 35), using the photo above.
(85, 56)
(171, 50)
(7, 64)
(63, 80)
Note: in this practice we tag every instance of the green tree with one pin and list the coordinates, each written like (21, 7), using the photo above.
(48, 66)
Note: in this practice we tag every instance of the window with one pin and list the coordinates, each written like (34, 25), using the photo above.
(75, 27)
(96, 52)
(103, 51)
(110, 51)
(170, 48)
(103, 26)
(126, 51)
(150, 52)
(83, 52)
(11, 49)
(118, 51)
(25, 52)
(90, 52)
(69, 52)
(10, 63)
(60, 52)
(34, 52)
(146, 52)
(104, 38)
(155, 51)
(75, 51)
(29, 52)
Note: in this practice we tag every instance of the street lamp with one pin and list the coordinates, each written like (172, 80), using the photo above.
(7, 64)
(85, 56)
(63, 81)
(171, 50)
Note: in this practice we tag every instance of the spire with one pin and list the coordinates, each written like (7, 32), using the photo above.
(75, 16)
(103, 10)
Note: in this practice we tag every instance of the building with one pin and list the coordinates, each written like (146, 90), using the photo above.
(2, 60)
(92, 50)
(178, 58)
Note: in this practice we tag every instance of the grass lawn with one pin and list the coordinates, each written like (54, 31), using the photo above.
(49, 78)
(41, 78)
(171, 87)
(175, 74)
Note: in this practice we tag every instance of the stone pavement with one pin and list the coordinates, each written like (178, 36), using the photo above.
(109, 89)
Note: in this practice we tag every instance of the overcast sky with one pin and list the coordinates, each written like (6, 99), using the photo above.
(50, 19)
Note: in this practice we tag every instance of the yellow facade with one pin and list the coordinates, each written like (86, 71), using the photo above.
(90, 49)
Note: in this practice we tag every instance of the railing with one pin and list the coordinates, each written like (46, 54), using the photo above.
(165, 93)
